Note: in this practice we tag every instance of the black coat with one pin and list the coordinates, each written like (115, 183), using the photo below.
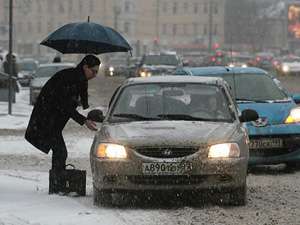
(56, 104)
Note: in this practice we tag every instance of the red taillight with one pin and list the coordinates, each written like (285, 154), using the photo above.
(219, 53)
(257, 58)
(213, 59)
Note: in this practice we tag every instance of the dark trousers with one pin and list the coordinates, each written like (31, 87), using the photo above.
(59, 153)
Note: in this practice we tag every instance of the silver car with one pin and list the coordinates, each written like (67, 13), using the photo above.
(169, 133)
(43, 73)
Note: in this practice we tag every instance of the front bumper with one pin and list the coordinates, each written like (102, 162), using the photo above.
(127, 175)
(289, 152)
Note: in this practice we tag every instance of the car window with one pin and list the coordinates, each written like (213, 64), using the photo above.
(49, 71)
(171, 60)
(257, 87)
(28, 66)
(172, 101)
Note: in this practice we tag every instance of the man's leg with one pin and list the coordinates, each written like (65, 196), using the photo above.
(59, 156)
(59, 153)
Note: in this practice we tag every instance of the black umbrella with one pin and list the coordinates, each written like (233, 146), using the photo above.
(86, 38)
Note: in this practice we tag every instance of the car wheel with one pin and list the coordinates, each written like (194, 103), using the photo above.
(103, 198)
(292, 166)
(238, 196)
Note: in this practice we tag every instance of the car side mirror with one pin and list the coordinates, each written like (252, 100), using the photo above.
(248, 115)
(296, 98)
(96, 115)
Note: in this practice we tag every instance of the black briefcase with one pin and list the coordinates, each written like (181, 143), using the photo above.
(69, 180)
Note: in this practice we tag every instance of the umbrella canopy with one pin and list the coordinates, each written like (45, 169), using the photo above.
(86, 38)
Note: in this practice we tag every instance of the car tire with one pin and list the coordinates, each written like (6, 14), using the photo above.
(238, 196)
(102, 198)
(292, 166)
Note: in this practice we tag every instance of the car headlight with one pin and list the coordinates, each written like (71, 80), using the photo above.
(111, 69)
(285, 68)
(143, 74)
(231, 65)
(226, 150)
(244, 66)
(294, 116)
(149, 74)
(111, 151)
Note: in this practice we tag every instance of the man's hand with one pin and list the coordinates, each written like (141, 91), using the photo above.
(91, 125)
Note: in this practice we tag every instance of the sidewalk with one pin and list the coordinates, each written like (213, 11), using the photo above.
(21, 111)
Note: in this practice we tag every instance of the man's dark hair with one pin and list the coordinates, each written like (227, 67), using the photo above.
(57, 59)
(90, 61)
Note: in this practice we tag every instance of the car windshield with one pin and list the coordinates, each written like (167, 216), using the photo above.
(28, 66)
(251, 87)
(257, 87)
(48, 71)
(293, 59)
(161, 101)
(117, 62)
(171, 60)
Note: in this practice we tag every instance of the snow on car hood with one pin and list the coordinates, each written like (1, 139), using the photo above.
(39, 81)
(179, 133)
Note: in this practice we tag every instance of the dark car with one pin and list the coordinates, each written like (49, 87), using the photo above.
(27, 68)
(157, 64)
(116, 67)
(275, 136)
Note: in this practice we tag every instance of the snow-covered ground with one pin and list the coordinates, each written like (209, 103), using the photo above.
(273, 198)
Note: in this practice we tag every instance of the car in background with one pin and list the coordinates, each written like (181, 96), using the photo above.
(289, 65)
(171, 133)
(27, 68)
(218, 58)
(275, 136)
(158, 64)
(43, 73)
(264, 60)
(116, 67)
(240, 60)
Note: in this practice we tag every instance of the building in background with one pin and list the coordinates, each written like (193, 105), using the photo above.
(147, 24)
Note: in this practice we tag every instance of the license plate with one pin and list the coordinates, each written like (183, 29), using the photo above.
(266, 143)
(166, 168)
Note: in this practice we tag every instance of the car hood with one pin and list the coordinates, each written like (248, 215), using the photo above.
(275, 113)
(178, 133)
(39, 82)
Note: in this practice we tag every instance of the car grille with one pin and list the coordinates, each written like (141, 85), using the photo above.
(290, 144)
(177, 180)
(169, 152)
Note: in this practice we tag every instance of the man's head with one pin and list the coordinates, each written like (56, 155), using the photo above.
(90, 66)
(13, 57)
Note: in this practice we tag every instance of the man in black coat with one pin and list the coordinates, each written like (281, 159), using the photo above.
(56, 104)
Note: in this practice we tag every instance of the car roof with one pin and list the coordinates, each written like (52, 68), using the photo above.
(175, 79)
(57, 65)
(212, 70)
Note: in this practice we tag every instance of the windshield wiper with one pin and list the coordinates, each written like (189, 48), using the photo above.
(182, 117)
(134, 116)
(250, 100)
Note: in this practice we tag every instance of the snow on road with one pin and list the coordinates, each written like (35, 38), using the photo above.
(273, 198)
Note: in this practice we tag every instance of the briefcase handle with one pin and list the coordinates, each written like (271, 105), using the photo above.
(71, 165)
